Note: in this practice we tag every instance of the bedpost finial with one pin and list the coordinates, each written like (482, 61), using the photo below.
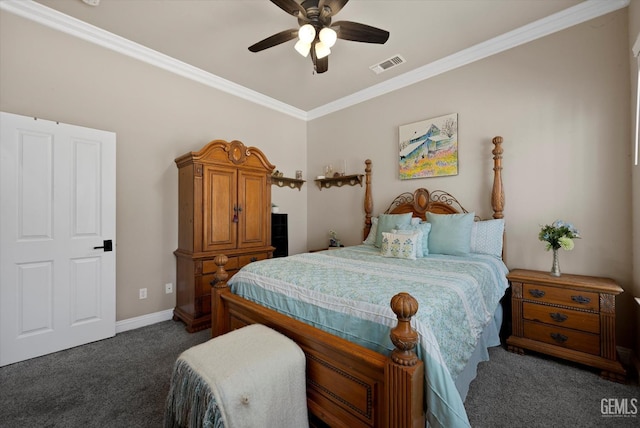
(497, 151)
(403, 336)
(404, 305)
(221, 275)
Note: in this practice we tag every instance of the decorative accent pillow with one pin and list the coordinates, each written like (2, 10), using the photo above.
(423, 238)
(371, 237)
(450, 233)
(399, 245)
(415, 220)
(486, 237)
(387, 222)
(419, 238)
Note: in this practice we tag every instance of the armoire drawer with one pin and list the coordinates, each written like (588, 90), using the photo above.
(205, 283)
(248, 258)
(567, 318)
(209, 266)
(561, 296)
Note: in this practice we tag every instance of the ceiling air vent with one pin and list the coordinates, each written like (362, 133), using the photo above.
(387, 64)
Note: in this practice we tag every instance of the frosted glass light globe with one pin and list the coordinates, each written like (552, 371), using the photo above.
(307, 33)
(328, 37)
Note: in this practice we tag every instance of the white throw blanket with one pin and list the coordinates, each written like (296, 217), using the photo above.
(256, 375)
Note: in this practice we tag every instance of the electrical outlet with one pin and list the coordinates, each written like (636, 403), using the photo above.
(168, 288)
(143, 293)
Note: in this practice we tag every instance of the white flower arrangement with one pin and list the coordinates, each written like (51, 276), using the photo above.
(559, 234)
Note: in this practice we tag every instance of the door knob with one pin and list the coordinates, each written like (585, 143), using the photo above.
(106, 244)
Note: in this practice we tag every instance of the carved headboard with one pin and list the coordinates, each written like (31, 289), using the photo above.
(421, 201)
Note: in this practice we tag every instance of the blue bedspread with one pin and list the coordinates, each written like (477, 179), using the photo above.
(347, 292)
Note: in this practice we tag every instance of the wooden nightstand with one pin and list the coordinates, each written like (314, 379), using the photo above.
(571, 317)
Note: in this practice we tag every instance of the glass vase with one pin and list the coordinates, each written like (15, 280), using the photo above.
(555, 268)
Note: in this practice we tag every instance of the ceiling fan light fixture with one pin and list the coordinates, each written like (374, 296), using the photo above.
(307, 33)
(328, 37)
(303, 48)
(322, 50)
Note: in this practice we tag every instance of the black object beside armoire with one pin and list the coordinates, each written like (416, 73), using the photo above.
(279, 235)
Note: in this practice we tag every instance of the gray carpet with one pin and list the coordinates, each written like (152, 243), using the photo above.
(123, 382)
(531, 391)
(117, 382)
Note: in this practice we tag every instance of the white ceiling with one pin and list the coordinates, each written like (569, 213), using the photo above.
(212, 37)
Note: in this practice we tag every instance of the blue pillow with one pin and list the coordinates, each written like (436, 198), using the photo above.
(387, 222)
(423, 241)
(371, 237)
(450, 233)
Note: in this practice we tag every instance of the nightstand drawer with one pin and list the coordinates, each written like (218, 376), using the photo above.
(567, 318)
(561, 296)
(567, 338)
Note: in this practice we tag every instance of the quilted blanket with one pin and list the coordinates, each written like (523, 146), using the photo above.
(347, 292)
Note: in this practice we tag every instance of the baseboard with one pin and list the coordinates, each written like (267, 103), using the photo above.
(143, 320)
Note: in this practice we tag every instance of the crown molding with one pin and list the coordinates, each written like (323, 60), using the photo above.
(59, 21)
(574, 15)
(569, 17)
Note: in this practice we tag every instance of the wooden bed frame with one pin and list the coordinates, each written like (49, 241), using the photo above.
(347, 384)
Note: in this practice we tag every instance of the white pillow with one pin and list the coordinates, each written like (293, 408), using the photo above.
(371, 237)
(486, 237)
(423, 238)
(401, 246)
(419, 240)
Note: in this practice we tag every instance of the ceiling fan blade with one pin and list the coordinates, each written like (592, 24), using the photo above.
(291, 7)
(335, 5)
(347, 30)
(276, 39)
(322, 64)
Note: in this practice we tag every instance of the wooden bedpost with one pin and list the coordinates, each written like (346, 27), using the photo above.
(497, 194)
(219, 286)
(368, 199)
(404, 373)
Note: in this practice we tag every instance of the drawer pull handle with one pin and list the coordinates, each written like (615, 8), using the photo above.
(558, 317)
(536, 293)
(560, 338)
(581, 299)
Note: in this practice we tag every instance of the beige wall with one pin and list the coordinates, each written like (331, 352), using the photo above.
(562, 105)
(157, 116)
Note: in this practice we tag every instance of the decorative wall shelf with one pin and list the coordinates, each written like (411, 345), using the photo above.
(287, 182)
(339, 181)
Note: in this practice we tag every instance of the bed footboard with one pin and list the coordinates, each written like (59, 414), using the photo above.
(347, 385)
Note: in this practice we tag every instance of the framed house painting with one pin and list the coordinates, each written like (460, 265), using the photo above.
(429, 148)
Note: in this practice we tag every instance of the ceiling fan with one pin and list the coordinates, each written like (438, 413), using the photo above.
(316, 33)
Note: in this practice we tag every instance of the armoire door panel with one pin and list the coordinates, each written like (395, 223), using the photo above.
(219, 204)
(253, 225)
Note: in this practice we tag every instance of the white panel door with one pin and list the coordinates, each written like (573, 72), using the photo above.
(57, 208)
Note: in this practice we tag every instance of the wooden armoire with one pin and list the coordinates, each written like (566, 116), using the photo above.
(224, 208)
